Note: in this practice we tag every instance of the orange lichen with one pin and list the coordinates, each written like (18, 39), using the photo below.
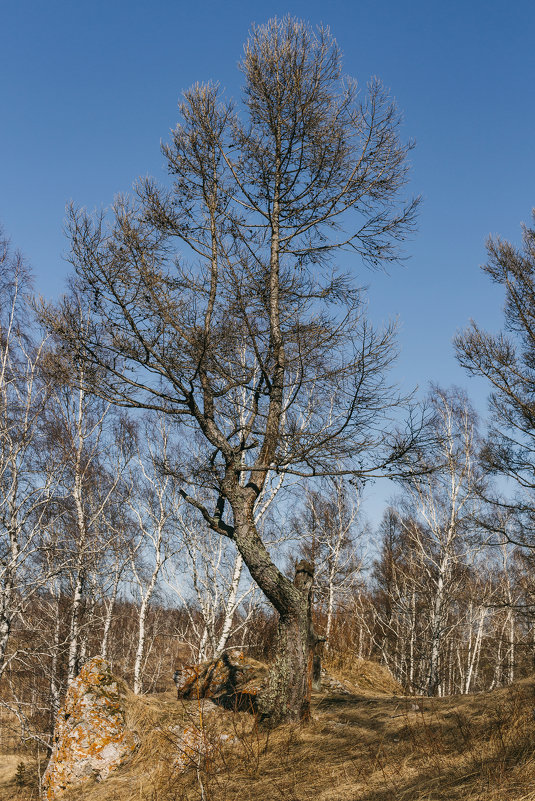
(234, 680)
(90, 737)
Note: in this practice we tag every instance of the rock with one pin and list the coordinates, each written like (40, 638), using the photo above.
(192, 746)
(199, 736)
(330, 684)
(90, 738)
(233, 681)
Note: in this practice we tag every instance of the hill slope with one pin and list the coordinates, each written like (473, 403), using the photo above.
(361, 746)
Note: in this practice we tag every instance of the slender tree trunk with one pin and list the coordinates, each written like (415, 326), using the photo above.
(230, 607)
(6, 614)
(54, 683)
(5, 629)
(496, 681)
(203, 645)
(8, 590)
(143, 610)
(77, 492)
(330, 611)
(437, 614)
(109, 606)
(412, 640)
(475, 651)
(138, 682)
(89, 614)
(511, 648)
(74, 629)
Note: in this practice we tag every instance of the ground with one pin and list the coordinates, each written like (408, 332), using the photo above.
(366, 745)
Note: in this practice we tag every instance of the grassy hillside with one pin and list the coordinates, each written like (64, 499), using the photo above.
(369, 745)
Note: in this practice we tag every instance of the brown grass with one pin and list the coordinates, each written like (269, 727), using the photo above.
(26, 789)
(9, 731)
(364, 674)
(362, 747)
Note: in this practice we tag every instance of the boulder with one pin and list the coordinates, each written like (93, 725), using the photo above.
(232, 681)
(90, 738)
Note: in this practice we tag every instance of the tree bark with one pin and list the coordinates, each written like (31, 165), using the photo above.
(288, 691)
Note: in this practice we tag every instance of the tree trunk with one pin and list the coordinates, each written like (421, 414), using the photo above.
(109, 606)
(138, 679)
(74, 629)
(230, 607)
(288, 691)
(54, 678)
(437, 621)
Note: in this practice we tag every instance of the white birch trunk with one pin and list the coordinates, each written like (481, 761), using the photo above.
(230, 607)
(475, 651)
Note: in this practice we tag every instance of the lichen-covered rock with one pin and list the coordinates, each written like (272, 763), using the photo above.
(233, 681)
(192, 747)
(90, 737)
(201, 736)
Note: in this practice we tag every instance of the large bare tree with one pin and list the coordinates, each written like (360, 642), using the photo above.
(217, 300)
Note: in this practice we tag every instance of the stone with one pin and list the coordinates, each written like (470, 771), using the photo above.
(198, 738)
(192, 747)
(232, 681)
(90, 738)
(333, 685)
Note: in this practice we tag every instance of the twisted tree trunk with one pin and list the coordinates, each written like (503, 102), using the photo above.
(289, 686)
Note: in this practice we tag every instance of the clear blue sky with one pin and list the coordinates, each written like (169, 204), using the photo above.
(89, 89)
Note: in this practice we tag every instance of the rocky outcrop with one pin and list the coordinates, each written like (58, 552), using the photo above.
(232, 681)
(90, 737)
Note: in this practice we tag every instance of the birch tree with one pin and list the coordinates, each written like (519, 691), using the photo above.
(398, 599)
(24, 486)
(332, 532)
(442, 505)
(154, 504)
(92, 445)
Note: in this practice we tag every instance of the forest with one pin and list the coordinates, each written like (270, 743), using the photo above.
(199, 416)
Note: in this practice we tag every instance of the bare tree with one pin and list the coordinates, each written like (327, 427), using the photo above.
(216, 301)
(507, 361)
(154, 503)
(331, 533)
(212, 590)
(25, 486)
(440, 516)
(399, 612)
(90, 445)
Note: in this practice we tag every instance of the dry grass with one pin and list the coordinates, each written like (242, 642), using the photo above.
(13, 754)
(364, 674)
(362, 747)
(14, 784)
(8, 768)
(9, 731)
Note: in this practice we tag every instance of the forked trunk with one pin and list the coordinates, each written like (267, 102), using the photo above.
(289, 686)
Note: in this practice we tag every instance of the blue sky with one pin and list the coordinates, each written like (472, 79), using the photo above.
(88, 90)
